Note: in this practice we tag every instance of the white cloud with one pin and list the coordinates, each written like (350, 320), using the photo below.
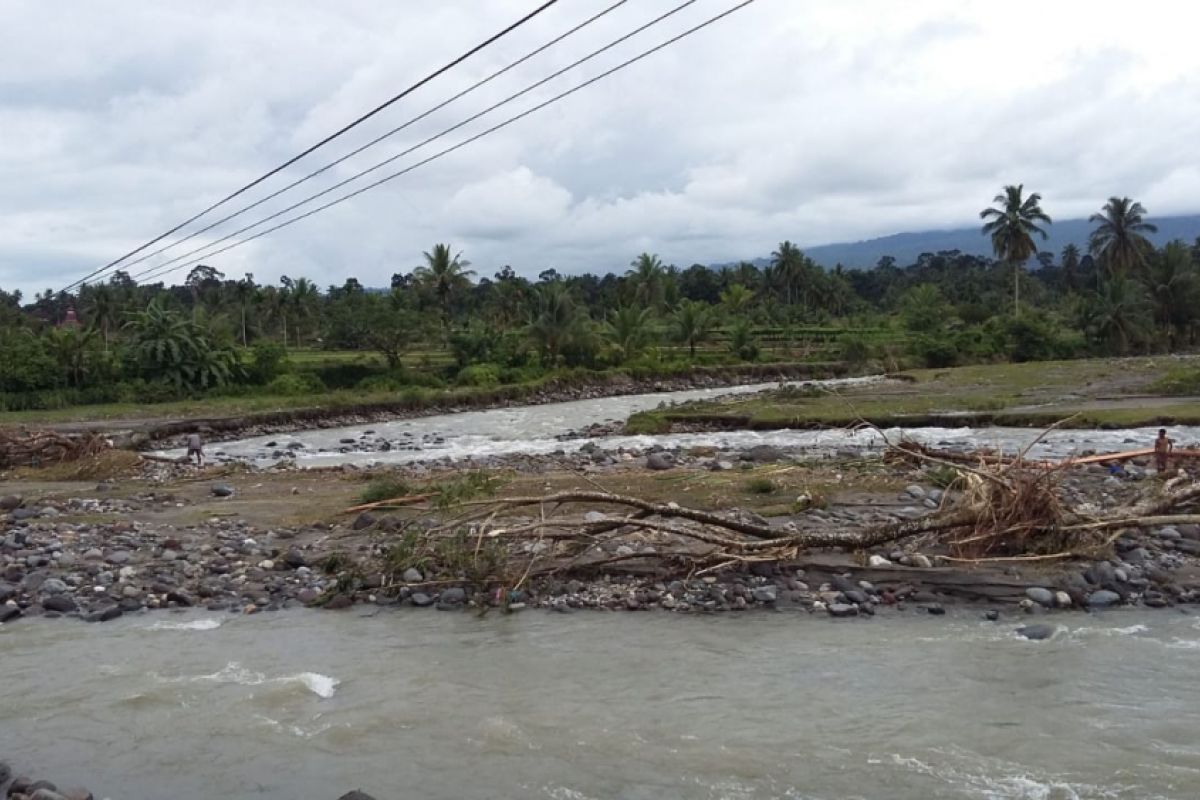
(815, 122)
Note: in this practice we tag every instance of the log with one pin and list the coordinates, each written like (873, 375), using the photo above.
(406, 500)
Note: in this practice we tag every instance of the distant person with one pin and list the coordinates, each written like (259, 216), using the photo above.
(1162, 450)
(1116, 470)
(195, 448)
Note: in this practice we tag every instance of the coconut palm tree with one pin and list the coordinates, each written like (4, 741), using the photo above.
(1012, 223)
(245, 292)
(1119, 314)
(787, 267)
(556, 321)
(100, 309)
(628, 328)
(647, 277)
(694, 323)
(1118, 241)
(736, 299)
(304, 294)
(1173, 288)
(444, 275)
(1070, 267)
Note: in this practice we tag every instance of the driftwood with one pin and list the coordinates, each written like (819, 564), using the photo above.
(41, 447)
(395, 502)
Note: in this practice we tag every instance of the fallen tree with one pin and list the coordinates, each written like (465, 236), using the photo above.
(41, 447)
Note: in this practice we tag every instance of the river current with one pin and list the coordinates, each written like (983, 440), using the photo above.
(542, 429)
(643, 706)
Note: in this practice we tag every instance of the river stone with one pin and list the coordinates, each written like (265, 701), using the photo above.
(1103, 599)
(119, 557)
(308, 595)
(9, 613)
(7, 592)
(46, 793)
(857, 596)
(78, 794)
(454, 596)
(357, 794)
(1036, 632)
(10, 502)
(339, 602)
(918, 560)
(763, 453)
(62, 603)
(765, 594)
(659, 461)
(104, 614)
(915, 492)
(412, 575)
(52, 586)
(363, 521)
(222, 490)
(1062, 599)
(842, 610)
(5, 773)
(421, 600)
(878, 561)
(1043, 597)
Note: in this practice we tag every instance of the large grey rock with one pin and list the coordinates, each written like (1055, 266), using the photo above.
(1103, 599)
(52, 586)
(356, 795)
(1036, 632)
(1043, 597)
(222, 490)
(842, 610)
(763, 453)
(421, 600)
(914, 491)
(62, 603)
(659, 461)
(10, 501)
(7, 592)
(452, 597)
(413, 575)
(765, 594)
(9, 613)
(363, 521)
(46, 794)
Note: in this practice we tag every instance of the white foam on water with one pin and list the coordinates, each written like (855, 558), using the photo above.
(322, 686)
(1002, 781)
(191, 625)
(1129, 630)
(1184, 644)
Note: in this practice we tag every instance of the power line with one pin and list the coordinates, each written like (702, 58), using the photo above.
(395, 98)
(160, 269)
(147, 256)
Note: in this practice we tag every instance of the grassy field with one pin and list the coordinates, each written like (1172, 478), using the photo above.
(1099, 392)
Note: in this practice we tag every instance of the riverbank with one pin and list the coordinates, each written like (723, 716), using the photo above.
(153, 423)
(1093, 394)
(240, 540)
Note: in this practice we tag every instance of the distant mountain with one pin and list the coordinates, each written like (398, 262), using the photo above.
(906, 247)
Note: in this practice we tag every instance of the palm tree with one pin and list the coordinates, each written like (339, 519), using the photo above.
(694, 324)
(101, 308)
(1119, 314)
(1070, 266)
(556, 321)
(1173, 288)
(245, 292)
(444, 274)
(171, 346)
(737, 299)
(1118, 241)
(628, 329)
(1011, 224)
(304, 298)
(787, 266)
(72, 347)
(647, 277)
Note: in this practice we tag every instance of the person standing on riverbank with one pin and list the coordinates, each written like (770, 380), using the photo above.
(1162, 450)
(195, 448)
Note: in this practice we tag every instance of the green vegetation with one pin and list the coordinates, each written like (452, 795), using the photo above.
(1093, 392)
(219, 345)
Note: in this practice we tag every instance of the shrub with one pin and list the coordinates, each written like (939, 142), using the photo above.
(268, 363)
(854, 350)
(479, 375)
(26, 364)
(761, 486)
(385, 488)
(294, 385)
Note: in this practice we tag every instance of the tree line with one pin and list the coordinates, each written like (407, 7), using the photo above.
(118, 339)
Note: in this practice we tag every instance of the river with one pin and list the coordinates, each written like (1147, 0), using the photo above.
(547, 428)
(644, 706)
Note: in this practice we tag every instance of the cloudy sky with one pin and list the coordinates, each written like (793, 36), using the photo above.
(813, 121)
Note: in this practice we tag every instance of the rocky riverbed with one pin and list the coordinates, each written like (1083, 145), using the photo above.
(161, 540)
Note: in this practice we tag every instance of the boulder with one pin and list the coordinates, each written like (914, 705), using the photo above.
(421, 600)
(842, 610)
(412, 575)
(659, 461)
(763, 453)
(1103, 598)
(62, 603)
(10, 501)
(9, 613)
(452, 598)
(357, 794)
(363, 521)
(1036, 632)
(1043, 597)
(222, 490)
(295, 559)
(765, 594)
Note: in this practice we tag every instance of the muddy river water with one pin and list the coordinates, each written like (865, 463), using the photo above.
(408, 703)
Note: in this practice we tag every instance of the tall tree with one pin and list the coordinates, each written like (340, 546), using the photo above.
(1012, 223)
(787, 266)
(628, 328)
(245, 291)
(1070, 267)
(101, 308)
(444, 274)
(647, 276)
(1118, 241)
(694, 324)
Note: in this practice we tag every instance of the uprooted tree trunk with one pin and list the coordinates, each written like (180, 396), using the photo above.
(1000, 510)
(34, 448)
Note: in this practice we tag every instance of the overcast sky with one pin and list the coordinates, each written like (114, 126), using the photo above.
(801, 119)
